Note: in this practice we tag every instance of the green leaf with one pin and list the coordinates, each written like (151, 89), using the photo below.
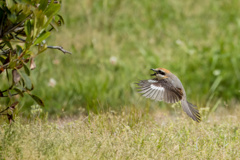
(35, 29)
(52, 9)
(54, 24)
(42, 37)
(29, 53)
(43, 4)
(19, 50)
(42, 48)
(12, 17)
(27, 81)
(2, 4)
(12, 64)
(28, 31)
(2, 59)
(28, 28)
(9, 3)
(57, 21)
(26, 69)
(20, 92)
(6, 41)
(61, 19)
(41, 20)
(7, 74)
(37, 99)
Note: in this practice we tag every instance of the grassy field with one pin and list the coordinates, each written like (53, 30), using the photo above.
(131, 134)
(114, 44)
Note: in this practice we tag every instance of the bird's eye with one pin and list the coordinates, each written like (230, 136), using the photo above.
(161, 72)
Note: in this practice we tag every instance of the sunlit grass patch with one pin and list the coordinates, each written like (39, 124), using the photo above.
(197, 41)
(130, 135)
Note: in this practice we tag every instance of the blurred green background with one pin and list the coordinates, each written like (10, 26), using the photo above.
(115, 43)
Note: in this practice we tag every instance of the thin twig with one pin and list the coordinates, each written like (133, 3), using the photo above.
(51, 47)
(4, 110)
(4, 52)
(6, 65)
(7, 89)
(23, 40)
(59, 48)
(11, 95)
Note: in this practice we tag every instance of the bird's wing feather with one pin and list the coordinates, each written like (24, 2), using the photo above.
(163, 90)
(160, 90)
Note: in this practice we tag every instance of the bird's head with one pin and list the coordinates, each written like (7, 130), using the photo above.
(161, 73)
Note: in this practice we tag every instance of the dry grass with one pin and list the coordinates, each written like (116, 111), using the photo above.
(130, 135)
(196, 40)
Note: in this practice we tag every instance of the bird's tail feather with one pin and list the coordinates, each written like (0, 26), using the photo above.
(191, 110)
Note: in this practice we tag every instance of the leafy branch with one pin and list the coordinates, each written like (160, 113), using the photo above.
(24, 25)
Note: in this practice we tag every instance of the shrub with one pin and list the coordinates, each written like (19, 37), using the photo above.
(24, 27)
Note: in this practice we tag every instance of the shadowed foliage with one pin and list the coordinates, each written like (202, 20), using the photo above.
(24, 26)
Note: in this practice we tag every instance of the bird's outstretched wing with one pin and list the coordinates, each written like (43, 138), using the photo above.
(160, 90)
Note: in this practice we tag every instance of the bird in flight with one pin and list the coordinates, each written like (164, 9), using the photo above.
(165, 86)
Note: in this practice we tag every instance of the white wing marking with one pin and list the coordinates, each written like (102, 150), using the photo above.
(157, 88)
(152, 81)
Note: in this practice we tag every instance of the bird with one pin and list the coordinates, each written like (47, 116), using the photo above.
(165, 86)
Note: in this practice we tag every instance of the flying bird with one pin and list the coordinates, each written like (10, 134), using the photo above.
(165, 86)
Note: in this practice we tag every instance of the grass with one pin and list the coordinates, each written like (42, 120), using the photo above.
(114, 44)
(131, 134)
(197, 41)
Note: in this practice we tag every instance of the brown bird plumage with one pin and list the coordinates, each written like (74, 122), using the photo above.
(167, 87)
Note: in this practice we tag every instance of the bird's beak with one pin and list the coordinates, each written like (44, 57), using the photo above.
(154, 74)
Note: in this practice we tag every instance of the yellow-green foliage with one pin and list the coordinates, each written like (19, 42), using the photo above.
(129, 135)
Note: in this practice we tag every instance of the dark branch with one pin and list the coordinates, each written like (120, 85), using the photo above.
(4, 110)
(12, 106)
(23, 40)
(11, 95)
(7, 89)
